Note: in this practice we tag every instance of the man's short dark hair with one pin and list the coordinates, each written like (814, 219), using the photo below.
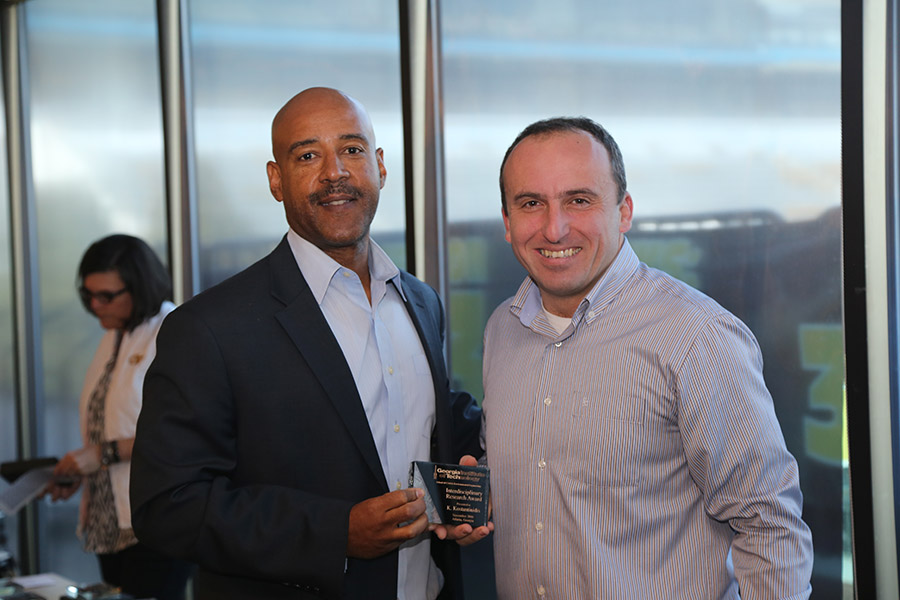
(573, 124)
(140, 269)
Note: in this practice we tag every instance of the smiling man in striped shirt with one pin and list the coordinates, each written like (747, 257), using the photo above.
(633, 445)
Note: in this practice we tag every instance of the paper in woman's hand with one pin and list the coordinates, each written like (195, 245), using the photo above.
(24, 489)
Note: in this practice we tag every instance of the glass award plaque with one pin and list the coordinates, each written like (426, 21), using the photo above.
(454, 494)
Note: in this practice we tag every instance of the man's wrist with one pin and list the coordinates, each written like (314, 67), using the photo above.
(109, 453)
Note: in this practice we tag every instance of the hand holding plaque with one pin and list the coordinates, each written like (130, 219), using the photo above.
(454, 494)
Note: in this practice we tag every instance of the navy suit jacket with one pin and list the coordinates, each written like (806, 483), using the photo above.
(252, 444)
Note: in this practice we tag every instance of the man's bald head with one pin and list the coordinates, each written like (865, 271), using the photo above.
(318, 100)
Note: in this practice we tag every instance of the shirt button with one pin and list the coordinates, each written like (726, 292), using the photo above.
(390, 370)
(396, 428)
(539, 526)
(558, 344)
(547, 401)
(345, 273)
(398, 484)
(541, 591)
(542, 463)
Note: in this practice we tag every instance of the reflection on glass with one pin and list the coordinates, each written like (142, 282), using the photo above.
(248, 60)
(728, 116)
(97, 146)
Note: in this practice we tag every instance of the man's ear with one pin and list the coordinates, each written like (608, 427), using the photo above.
(382, 170)
(506, 223)
(626, 211)
(274, 173)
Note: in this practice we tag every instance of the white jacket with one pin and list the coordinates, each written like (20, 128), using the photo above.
(123, 399)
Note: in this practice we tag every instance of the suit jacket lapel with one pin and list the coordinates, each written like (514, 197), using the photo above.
(307, 327)
(430, 329)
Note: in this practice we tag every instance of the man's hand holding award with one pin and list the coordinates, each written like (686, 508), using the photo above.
(457, 498)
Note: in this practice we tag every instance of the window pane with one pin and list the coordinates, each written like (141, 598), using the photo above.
(97, 156)
(728, 116)
(248, 60)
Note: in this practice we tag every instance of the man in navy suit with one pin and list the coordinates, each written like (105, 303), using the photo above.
(284, 405)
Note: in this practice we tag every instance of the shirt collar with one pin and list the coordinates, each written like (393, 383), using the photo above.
(319, 269)
(526, 304)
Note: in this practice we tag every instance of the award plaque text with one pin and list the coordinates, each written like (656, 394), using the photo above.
(454, 494)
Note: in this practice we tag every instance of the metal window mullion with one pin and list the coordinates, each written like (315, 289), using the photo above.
(868, 393)
(181, 187)
(23, 242)
(892, 186)
(423, 134)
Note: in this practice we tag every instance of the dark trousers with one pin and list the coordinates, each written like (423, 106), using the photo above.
(145, 573)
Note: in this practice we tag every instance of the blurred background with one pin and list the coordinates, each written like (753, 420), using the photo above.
(728, 115)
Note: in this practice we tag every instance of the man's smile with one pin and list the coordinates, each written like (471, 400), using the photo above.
(336, 195)
(559, 253)
(336, 201)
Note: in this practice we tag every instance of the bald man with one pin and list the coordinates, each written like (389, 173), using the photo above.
(285, 404)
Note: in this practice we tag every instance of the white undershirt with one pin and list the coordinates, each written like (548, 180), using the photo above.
(558, 323)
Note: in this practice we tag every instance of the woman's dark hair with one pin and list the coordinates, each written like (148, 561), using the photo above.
(140, 269)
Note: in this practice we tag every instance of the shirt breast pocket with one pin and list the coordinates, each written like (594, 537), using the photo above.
(603, 449)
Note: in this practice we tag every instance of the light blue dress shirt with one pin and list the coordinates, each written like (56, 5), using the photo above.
(390, 369)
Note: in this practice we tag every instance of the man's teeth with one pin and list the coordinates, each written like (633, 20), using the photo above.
(560, 253)
(336, 202)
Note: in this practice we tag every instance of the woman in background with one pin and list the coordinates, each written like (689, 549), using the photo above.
(122, 283)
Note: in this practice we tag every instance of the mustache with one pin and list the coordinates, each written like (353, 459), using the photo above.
(344, 189)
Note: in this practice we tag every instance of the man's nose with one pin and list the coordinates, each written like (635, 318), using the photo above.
(333, 168)
(556, 224)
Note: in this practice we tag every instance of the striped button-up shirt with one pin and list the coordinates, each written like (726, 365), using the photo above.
(637, 454)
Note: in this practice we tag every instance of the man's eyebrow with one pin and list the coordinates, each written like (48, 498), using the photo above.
(355, 136)
(310, 141)
(301, 143)
(581, 192)
(528, 195)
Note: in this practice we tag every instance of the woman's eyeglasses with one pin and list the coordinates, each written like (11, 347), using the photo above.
(101, 297)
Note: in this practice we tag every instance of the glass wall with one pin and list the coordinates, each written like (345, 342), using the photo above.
(97, 156)
(248, 59)
(728, 116)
